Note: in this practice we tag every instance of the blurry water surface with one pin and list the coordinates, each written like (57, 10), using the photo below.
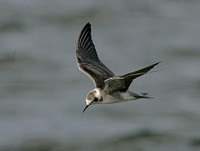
(42, 92)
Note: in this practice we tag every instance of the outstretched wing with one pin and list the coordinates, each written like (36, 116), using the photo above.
(88, 61)
(122, 83)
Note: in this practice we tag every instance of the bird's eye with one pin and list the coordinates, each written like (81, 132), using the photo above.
(95, 99)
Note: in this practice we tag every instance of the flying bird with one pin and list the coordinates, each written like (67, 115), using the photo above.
(109, 88)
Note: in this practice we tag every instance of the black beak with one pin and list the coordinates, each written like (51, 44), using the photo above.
(86, 107)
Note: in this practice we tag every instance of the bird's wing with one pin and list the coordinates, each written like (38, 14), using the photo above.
(122, 83)
(88, 61)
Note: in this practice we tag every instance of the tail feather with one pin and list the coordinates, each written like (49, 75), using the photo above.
(146, 95)
(141, 95)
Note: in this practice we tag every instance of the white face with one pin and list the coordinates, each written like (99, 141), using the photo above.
(92, 97)
(88, 102)
(94, 101)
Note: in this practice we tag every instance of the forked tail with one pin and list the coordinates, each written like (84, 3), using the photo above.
(141, 95)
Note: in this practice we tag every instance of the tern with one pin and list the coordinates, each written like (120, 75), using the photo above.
(109, 88)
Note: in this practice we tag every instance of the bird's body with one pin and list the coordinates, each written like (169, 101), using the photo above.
(109, 87)
(114, 97)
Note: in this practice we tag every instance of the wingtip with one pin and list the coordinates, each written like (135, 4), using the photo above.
(88, 24)
(86, 29)
(157, 62)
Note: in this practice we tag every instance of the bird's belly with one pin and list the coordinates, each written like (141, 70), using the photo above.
(117, 98)
(111, 100)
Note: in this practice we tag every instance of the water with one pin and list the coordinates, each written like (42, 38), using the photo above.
(42, 92)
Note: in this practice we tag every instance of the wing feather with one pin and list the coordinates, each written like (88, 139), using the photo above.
(88, 61)
(122, 83)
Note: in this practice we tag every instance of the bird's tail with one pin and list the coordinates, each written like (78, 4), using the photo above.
(145, 96)
(141, 95)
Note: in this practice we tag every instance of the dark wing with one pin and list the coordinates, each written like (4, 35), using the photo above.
(88, 61)
(122, 83)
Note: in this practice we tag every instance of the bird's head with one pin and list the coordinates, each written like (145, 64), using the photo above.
(93, 97)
